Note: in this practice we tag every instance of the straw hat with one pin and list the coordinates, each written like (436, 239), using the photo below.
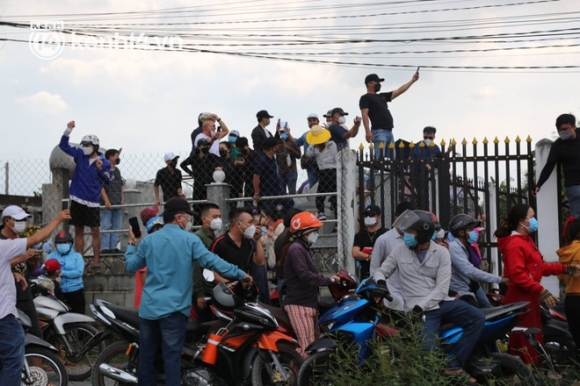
(317, 135)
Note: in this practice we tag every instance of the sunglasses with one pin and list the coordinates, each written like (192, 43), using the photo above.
(428, 137)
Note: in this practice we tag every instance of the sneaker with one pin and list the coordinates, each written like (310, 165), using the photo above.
(322, 216)
(116, 251)
(105, 251)
(96, 270)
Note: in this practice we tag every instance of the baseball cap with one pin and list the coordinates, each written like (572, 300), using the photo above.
(313, 115)
(202, 142)
(372, 210)
(16, 212)
(242, 142)
(263, 114)
(328, 114)
(235, 133)
(51, 265)
(269, 143)
(178, 205)
(373, 77)
(170, 156)
(338, 110)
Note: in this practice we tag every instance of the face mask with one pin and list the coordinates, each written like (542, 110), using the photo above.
(174, 164)
(87, 150)
(312, 237)
(409, 240)
(188, 226)
(250, 231)
(19, 227)
(267, 122)
(223, 153)
(118, 161)
(377, 87)
(565, 135)
(284, 136)
(63, 249)
(341, 120)
(246, 151)
(427, 142)
(434, 236)
(370, 221)
(533, 225)
(216, 224)
(212, 133)
(232, 139)
(204, 150)
(473, 236)
(440, 234)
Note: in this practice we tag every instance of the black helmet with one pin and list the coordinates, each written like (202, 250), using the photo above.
(63, 237)
(418, 220)
(462, 222)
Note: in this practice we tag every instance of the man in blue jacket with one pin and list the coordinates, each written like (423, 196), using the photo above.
(91, 172)
(169, 255)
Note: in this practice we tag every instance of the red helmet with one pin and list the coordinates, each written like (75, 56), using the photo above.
(304, 222)
(148, 213)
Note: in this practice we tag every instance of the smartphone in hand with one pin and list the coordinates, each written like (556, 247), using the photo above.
(64, 205)
(134, 224)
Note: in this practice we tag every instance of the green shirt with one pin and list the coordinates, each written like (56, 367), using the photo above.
(201, 287)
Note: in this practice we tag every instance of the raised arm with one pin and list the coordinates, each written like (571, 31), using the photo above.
(406, 86)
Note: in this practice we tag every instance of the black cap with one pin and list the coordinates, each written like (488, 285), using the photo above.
(203, 142)
(372, 210)
(178, 205)
(373, 77)
(339, 111)
(242, 142)
(328, 114)
(269, 143)
(263, 114)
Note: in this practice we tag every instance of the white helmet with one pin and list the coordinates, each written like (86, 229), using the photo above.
(90, 140)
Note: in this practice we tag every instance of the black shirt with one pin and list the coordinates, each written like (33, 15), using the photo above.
(201, 170)
(227, 249)
(114, 188)
(170, 182)
(365, 239)
(564, 153)
(270, 183)
(379, 113)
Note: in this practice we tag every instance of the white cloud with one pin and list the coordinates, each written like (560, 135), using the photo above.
(486, 93)
(43, 102)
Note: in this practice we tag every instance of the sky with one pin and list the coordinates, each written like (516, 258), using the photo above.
(147, 101)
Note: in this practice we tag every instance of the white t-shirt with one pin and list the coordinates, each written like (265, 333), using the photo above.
(9, 249)
(215, 146)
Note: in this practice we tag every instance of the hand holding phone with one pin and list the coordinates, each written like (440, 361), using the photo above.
(134, 224)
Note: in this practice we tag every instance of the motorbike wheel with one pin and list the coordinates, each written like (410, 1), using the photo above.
(316, 369)
(78, 335)
(514, 371)
(114, 355)
(46, 368)
(561, 351)
(264, 371)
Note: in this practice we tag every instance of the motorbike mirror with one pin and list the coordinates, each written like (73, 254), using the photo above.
(208, 275)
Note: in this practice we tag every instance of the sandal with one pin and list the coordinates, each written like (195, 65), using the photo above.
(461, 375)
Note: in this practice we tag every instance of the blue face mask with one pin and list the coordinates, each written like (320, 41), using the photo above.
(409, 240)
(232, 139)
(533, 225)
(63, 249)
(473, 236)
(284, 136)
(434, 237)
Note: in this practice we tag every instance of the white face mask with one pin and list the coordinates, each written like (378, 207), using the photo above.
(216, 224)
(341, 120)
(19, 227)
(427, 142)
(441, 234)
(87, 150)
(250, 231)
(370, 221)
(312, 237)
(188, 226)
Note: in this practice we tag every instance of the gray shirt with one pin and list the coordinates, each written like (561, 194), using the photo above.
(383, 248)
(423, 284)
(463, 271)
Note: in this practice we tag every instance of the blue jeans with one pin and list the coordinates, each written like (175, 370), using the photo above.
(110, 221)
(289, 181)
(573, 194)
(167, 333)
(11, 351)
(386, 137)
(482, 299)
(312, 176)
(461, 314)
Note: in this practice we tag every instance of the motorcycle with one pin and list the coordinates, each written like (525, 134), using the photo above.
(42, 366)
(358, 320)
(79, 342)
(558, 341)
(244, 349)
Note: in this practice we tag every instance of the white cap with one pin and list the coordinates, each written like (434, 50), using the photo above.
(313, 115)
(16, 212)
(169, 156)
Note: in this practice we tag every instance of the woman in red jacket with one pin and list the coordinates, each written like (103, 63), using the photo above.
(525, 266)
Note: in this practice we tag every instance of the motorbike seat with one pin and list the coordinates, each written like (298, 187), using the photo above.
(279, 313)
(126, 314)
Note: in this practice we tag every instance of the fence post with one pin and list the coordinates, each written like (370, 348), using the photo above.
(218, 193)
(547, 212)
(492, 220)
(345, 190)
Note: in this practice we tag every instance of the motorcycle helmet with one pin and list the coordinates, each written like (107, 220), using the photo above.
(462, 222)
(225, 298)
(148, 213)
(63, 237)
(90, 140)
(303, 223)
(418, 220)
(154, 224)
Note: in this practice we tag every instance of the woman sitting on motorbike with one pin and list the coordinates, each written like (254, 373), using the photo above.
(301, 280)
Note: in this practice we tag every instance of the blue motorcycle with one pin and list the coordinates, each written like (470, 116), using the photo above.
(356, 320)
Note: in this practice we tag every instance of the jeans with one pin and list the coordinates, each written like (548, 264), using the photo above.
(312, 176)
(386, 137)
(11, 351)
(461, 314)
(573, 194)
(289, 181)
(167, 333)
(482, 299)
(110, 220)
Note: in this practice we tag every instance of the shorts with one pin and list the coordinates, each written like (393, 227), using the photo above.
(82, 215)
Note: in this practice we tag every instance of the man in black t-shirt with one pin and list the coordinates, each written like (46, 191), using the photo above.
(169, 178)
(374, 106)
(564, 151)
(364, 241)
